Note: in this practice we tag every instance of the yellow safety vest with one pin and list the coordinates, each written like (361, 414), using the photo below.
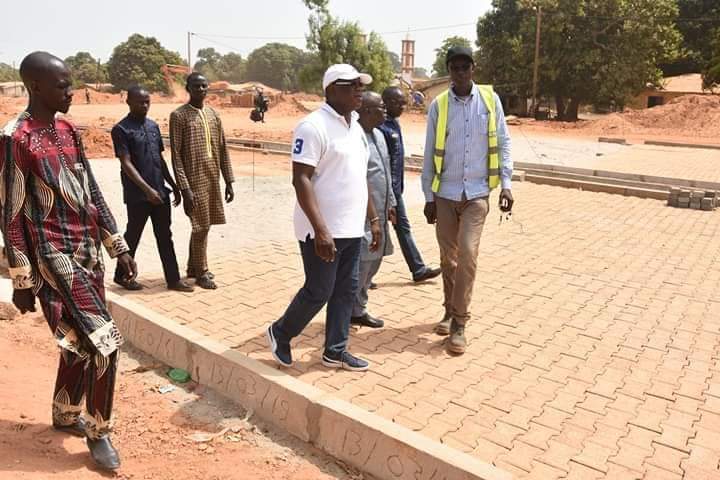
(486, 92)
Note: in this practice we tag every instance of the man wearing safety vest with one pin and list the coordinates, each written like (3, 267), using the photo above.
(467, 155)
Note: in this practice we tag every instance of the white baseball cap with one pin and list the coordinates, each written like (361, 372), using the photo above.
(343, 71)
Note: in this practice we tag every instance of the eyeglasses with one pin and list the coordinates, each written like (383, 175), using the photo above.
(461, 68)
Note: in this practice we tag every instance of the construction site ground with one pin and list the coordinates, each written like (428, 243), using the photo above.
(594, 347)
(184, 434)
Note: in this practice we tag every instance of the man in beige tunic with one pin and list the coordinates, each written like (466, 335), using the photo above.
(199, 156)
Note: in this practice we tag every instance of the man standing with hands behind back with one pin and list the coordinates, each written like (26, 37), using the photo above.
(467, 154)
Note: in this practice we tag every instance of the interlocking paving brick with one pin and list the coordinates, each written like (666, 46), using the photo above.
(599, 352)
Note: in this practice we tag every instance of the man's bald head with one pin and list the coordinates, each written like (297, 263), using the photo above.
(372, 111)
(38, 65)
(371, 99)
(391, 93)
(49, 82)
(394, 99)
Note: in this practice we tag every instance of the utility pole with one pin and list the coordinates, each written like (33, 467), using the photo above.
(97, 76)
(189, 57)
(533, 108)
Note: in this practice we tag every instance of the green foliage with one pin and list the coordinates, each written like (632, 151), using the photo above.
(699, 23)
(420, 72)
(439, 67)
(711, 73)
(138, 61)
(86, 69)
(229, 67)
(333, 41)
(592, 51)
(8, 73)
(395, 61)
(276, 65)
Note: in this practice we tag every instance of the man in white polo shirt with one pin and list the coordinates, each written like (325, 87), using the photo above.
(330, 158)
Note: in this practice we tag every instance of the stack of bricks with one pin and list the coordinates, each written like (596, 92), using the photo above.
(695, 199)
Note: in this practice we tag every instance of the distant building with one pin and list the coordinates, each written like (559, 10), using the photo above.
(12, 89)
(672, 87)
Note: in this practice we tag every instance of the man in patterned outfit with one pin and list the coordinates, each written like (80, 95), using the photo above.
(199, 156)
(54, 220)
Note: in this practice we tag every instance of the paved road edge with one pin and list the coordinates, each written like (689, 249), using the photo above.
(362, 439)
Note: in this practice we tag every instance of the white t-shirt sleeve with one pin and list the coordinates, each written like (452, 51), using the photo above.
(307, 144)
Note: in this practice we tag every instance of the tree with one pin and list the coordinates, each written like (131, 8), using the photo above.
(439, 67)
(229, 67)
(420, 72)
(86, 69)
(8, 73)
(698, 22)
(276, 65)
(395, 62)
(333, 41)
(594, 51)
(711, 73)
(138, 61)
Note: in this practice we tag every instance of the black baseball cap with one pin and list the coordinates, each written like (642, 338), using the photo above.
(459, 51)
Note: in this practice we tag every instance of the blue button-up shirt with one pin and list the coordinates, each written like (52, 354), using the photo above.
(465, 168)
(393, 138)
(142, 141)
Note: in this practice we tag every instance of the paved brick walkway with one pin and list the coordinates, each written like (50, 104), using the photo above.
(594, 347)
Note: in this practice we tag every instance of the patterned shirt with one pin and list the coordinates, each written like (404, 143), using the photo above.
(197, 166)
(466, 149)
(54, 220)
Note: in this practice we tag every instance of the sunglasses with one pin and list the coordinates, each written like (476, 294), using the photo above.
(348, 83)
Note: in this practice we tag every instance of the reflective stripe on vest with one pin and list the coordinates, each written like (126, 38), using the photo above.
(488, 97)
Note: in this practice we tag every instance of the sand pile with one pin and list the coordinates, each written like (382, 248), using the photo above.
(97, 143)
(691, 115)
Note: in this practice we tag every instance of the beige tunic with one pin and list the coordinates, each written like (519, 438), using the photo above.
(198, 164)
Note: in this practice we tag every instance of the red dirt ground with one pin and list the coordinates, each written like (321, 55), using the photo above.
(152, 428)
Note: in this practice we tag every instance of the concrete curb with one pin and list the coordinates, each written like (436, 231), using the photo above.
(349, 433)
(682, 145)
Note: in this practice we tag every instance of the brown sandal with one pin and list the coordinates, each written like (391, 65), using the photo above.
(205, 281)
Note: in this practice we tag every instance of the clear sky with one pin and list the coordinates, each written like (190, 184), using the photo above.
(64, 28)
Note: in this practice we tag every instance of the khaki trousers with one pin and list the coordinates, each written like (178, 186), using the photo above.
(458, 228)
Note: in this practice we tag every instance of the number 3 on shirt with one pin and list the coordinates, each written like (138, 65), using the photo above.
(298, 146)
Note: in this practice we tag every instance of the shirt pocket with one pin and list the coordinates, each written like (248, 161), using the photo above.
(483, 121)
(137, 139)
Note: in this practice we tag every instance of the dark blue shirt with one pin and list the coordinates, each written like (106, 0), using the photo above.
(142, 141)
(393, 137)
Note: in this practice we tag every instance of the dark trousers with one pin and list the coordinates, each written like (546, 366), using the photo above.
(407, 242)
(138, 214)
(332, 283)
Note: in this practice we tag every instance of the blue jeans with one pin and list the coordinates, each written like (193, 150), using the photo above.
(332, 283)
(407, 243)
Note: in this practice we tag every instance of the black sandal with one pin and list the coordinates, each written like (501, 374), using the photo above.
(128, 284)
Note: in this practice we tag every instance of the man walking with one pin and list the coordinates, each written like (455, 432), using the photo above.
(379, 179)
(330, 161)
(199, 156)
(54, 220)
(139, 147)
(395, 105)
(467, 154)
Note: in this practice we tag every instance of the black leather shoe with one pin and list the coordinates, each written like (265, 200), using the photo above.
(427, 274)
(104, 454)
(77, 429)
(367, 321)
